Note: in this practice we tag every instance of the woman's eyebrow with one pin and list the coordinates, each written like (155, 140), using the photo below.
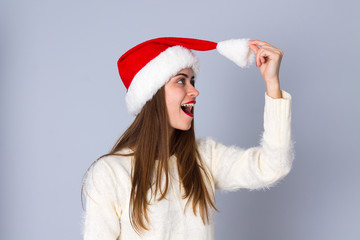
(185, 75)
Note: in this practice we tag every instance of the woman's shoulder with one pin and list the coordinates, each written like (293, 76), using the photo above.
(119, 161)
(110, 169)
(108, 174)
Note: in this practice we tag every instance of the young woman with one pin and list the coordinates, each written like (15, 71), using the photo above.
(158, 182)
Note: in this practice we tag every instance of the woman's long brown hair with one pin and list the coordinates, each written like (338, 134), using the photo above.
(148, 137)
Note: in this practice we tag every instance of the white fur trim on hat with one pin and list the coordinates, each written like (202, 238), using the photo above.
(156, 73)
(238, 51)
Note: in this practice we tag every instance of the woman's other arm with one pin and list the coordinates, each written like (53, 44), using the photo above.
(102, 214)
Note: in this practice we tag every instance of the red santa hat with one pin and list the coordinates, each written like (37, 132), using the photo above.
(145, 68)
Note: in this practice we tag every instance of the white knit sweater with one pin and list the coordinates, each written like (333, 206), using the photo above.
(108, 184)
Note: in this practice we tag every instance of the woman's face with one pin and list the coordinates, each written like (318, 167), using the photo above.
(180, 95)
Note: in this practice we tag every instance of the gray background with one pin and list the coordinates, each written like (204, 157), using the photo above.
(62, 106)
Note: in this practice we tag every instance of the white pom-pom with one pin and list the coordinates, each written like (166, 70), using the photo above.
(238, 51)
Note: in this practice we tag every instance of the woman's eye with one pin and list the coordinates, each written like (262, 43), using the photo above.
(181, 81)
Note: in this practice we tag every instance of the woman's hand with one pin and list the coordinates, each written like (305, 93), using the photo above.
(268, 59)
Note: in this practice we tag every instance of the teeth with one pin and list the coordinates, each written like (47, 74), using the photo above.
(188, 105)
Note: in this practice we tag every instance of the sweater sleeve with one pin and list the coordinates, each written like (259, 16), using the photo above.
(257, 167)
(102, 214)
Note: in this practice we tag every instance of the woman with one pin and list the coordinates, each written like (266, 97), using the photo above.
(158, 182)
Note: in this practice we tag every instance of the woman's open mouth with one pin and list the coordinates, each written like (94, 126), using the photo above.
(188, 108)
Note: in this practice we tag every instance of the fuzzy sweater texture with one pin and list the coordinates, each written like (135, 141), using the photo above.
(108, 183)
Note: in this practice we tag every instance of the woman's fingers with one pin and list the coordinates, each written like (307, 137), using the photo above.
(261, 56)
(264, 53)
(260, 43)
(254, 48)
(259, 52)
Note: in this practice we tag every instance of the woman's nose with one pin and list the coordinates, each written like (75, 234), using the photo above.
(192, 91)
